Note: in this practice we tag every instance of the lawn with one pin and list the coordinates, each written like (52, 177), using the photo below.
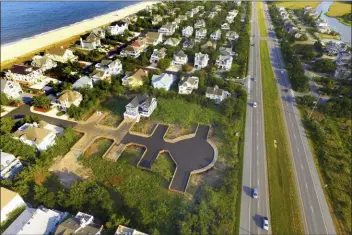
(297, 5)
(339, 9)
(261, 19)
(284, 208)
(327, 36)
(164, 166)
(98, 148)
(116, 107)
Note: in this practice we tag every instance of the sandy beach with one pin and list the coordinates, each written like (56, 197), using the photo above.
(14, 50)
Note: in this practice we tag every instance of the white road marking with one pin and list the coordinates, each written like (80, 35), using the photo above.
(257, 182)
(257, 163)
(297, 149)
(306, 185)
(311, 208)
(257, 133)
(294, 136)
(301, 166)
(257, 147)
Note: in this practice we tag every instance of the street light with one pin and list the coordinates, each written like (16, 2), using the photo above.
(315, 104)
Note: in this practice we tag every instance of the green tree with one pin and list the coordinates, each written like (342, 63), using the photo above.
(164, 64)
(41, 101)
(4, 100)
(7, 123)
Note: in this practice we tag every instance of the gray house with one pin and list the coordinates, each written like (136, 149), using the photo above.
(140, 105)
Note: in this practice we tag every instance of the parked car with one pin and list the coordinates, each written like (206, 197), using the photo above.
(265, 223)
(255, 193)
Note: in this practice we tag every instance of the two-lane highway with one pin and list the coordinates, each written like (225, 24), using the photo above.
(316, 215)
(254, 162)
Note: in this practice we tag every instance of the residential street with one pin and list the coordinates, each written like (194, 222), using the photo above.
(254, 164)
(315, 213)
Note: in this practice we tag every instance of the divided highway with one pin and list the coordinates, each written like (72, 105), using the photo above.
(254, 162)
(316, 215)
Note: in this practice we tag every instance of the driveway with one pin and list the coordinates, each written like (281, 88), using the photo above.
(190, 155)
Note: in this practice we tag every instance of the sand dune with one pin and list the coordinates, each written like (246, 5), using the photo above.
(28, 45)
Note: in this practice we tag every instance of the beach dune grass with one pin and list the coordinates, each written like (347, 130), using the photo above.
(261, 19)
(284, 207)
(297, 4)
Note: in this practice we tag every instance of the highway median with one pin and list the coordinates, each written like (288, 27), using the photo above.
(285, 211)
(261, 19)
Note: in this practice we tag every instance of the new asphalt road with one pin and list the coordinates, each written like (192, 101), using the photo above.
(315, 212)
(254, 164)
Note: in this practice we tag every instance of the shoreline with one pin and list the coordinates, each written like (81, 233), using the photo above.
(15, 50)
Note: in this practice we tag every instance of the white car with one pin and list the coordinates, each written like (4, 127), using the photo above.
(265, 223)
(282, 72)
(254, 104)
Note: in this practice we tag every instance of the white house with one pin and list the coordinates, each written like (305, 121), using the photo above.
(232, 35)
(43, 62)
(122, 230)
(199, 24)
(140, 106)
(23, 74)
(167, 29)
(33, 135)
(154, 38)
(157, 55)
(201, 33)
(201, 60)
(117, 28)
(11, 89)
(36, 221)
(189, 14)
(187, 31)
(180, 58)
(91, 42)
(10, 165)
(110, 67)
(224, 61)
(80, 224)
(172, 42)
(233, 13)
(83, 82)
(214, 93)
(195, 10)
(10, 201)
(61, 55)
(225, 26)
(157, 19)
(215, 36)
(163, 81)
(187, 85)
(230, 19)
(68, 98)
(188, 44)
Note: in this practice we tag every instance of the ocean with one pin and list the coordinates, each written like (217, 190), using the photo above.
(25, 19)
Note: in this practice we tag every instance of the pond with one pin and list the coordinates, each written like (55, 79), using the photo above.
(344, 30)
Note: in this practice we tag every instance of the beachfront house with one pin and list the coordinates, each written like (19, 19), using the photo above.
(33, 135)
(10, 201)
(117, 28)
(98, 32)
(182, 17)
(36, 221)
(81, 223)
(201, 60)
(154, 38)
(187, 31)
(62, 55)
(167, 29)
(163, 81)
(214, 93)
(122, 230)
(224, 61)
(188, 44)
(173, 42)
(199, 24)
(157, 55)
(110, 67)
(10, 165)
(201, 34)
(135, 49)
(67, 99)
(180, 58)
(225, 26)
(215, 36)
(91, 42)
(23, 74)
(232, 36)
(136, 79)
(140, 106)
(11, 89)
(43, 62)
(83, 82)
(187, 85)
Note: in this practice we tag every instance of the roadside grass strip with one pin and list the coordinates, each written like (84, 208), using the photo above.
(284, 207)
(297, 4)
(261, 19)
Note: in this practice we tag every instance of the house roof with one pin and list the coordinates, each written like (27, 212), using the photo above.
(69, 95)
(191, 80)
(22, 69)
(153, 35)
(201, 56)
(83, 81)
(214, 91)
(139, 74)
(140, 99)
(172, 41)
(105, 62)
(180, 53)
(41, 60)
(208, 44)
(188, 43)
(92, 38)
(59, 51)
(164, 78)
(226, 51)
(168, 26)
(6, 196)
(70, 225)
(138, 43)
(201, 30)
(32, 133)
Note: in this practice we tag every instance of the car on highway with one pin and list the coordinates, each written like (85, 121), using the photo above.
(255, 193)
(253, 79)
(286, 90)
(282, 72)
(265, 223)
(254, 104)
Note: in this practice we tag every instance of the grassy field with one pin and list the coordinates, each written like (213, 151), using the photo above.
(116, 107)
(339, 9)
(261, 19)
(327, 36)
(297, 5)
(284, 208)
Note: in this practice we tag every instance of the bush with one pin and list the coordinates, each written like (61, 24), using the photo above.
(41, 101)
